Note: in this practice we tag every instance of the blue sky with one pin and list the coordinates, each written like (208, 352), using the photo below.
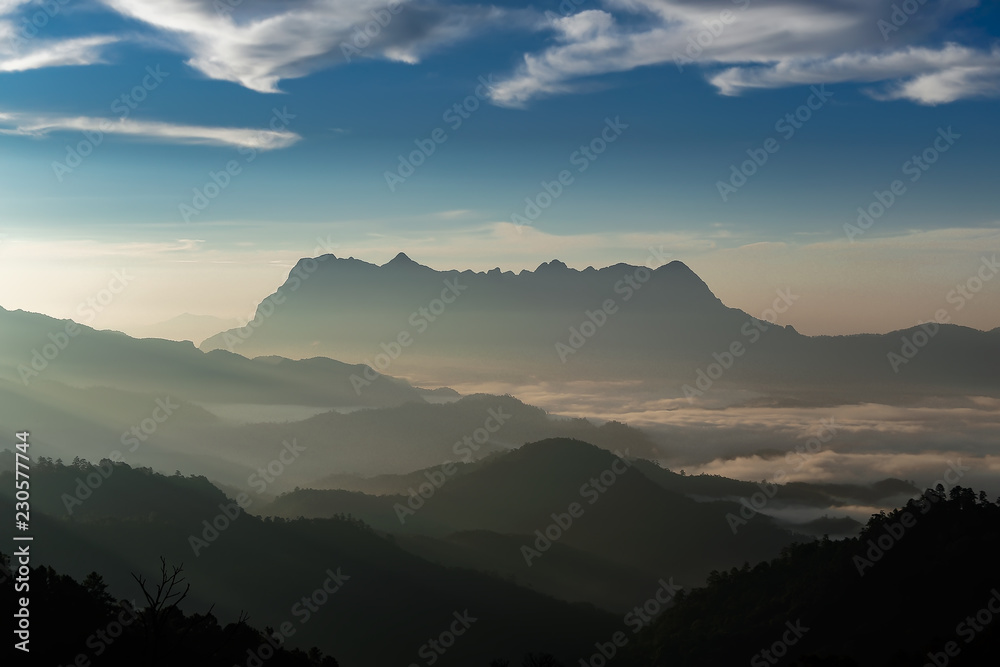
(557, 73)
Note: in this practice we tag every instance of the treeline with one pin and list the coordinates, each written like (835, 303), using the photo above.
(82, 624)
(920, 585)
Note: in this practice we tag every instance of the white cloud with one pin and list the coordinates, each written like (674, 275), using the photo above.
(770, 44)
(30, 125)
(924, 75)
(23, 45)
(257, 45)
(78, 51)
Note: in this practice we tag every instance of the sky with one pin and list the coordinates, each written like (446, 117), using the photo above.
(187, 152)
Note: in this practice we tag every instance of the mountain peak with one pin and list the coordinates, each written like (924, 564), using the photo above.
(550, 266)
(400, 259)
(679, 267)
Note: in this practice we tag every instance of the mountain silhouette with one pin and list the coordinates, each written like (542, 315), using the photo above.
(663, 326)
(629, 529)
(264, 568)
(38, 349)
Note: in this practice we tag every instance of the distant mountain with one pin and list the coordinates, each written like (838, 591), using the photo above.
(809, 494)
(104, 410)
(630, 526)
(35, 349)
(621, 322)
(186, 326)
(99, 394)
(391, 441)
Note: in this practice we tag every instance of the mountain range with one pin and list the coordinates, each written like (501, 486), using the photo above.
(661, 326)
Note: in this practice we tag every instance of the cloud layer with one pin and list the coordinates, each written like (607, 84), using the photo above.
(739, 45)
(762, 44)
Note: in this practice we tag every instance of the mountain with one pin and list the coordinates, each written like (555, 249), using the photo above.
(791, 495)
(186, 326)
(662, 326)
(480, 320)
(37, 349)
(335, 583)
(630, 529)
(919, 586)
(165, 404)
(806, 494)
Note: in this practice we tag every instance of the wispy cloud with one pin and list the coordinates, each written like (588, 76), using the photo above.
(56, 53)
(23, 48)
(764, 43)
(32, 125)
(924, 75)
(258, 44)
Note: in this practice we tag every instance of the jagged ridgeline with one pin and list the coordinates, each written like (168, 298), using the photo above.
(623, 321)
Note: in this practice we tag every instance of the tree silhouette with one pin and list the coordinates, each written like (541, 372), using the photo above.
(161, 603)
(94, 583)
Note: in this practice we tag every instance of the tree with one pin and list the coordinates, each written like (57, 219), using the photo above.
(94, 584)
(160, 605)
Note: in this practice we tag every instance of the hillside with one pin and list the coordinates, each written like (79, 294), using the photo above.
(264, 568)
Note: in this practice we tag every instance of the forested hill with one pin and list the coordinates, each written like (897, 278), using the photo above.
(920, 585)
